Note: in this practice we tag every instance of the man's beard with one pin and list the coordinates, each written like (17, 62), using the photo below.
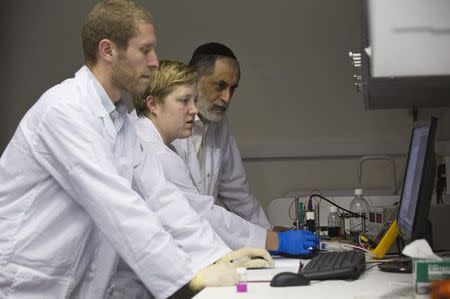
(206, 111)
(126, 79)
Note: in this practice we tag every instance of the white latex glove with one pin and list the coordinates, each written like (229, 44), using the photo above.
(248, 257)
(215, 275)
(223, 272)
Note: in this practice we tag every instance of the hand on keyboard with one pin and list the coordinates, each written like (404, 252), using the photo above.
(297, 242)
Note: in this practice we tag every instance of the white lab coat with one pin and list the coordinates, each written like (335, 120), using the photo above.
(233, 229)
(225, 176)
(67, 207)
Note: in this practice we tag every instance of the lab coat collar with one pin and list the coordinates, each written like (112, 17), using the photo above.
(151, 132)
(104, 98)
(84, 77)
(198, 122)
(155, 134)
(87, 83)
(117, 111)
(203, 125)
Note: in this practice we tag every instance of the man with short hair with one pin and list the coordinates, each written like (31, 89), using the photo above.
(77, 189)
(211, 153)
(215, 164)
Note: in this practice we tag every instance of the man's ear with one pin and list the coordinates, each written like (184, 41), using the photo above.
(150, 101)
(106, 49)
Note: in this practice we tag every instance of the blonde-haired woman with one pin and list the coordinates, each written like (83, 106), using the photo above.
(167, 112)
(169, 102)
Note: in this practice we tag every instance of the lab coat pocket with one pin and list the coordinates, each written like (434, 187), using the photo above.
(54, 241)
(29, 281)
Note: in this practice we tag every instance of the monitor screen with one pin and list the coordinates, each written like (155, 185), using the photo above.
(418, 184)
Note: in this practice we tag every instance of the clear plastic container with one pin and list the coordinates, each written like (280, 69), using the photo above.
(241, 286)
(334, 222)
(358, 205)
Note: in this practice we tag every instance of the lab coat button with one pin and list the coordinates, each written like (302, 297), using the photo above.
(90, 275)
(91, 272)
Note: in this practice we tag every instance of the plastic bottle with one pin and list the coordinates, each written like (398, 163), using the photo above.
(241, 286)
(334, 222)
(358, 205)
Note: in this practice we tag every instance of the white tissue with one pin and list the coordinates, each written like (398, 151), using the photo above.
(420, 249)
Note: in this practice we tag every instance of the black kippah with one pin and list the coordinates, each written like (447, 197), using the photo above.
(214, 49)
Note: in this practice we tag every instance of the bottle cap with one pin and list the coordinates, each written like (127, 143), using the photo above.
(333, 209)
(358, 191)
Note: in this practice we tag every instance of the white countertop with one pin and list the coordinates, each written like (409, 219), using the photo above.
(372, 284)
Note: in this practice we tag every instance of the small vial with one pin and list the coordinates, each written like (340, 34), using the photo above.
(334, 226)
(241, 286)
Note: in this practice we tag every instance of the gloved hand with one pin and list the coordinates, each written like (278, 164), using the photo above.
(248, 257)
(215, 275)
(223, 272)
(297, 242)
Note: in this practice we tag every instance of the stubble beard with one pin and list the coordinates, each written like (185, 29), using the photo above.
(126, 79)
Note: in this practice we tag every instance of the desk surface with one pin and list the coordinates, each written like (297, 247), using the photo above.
(372, 284)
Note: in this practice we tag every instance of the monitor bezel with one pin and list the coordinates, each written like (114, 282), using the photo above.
(420, 227)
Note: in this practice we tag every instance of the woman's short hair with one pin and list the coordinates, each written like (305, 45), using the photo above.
(162, 82)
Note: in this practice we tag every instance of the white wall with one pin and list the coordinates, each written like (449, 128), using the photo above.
(295, 111)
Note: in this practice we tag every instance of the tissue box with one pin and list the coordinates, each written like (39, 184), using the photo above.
(425, 271)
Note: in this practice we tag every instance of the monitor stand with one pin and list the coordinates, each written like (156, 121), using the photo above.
(404, 266)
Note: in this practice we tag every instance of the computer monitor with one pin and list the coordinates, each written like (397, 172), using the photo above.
(412, 218)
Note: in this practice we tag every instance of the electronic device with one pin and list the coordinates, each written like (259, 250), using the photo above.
(336, 265)
(379, 219)
(389, 234)
(289, 279)
(412, 220)
(397, 266)
(299, 213)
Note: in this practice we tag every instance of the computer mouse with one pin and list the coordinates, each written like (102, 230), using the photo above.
(289, 279)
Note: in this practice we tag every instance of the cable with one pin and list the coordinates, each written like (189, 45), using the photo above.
(308, 195)
(309, 205)
(355, 226)
(360, 242)
(372, 266)
(334, 204)
(360, 248)
(318, 200)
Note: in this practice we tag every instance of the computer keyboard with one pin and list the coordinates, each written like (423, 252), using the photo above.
(335, 265)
